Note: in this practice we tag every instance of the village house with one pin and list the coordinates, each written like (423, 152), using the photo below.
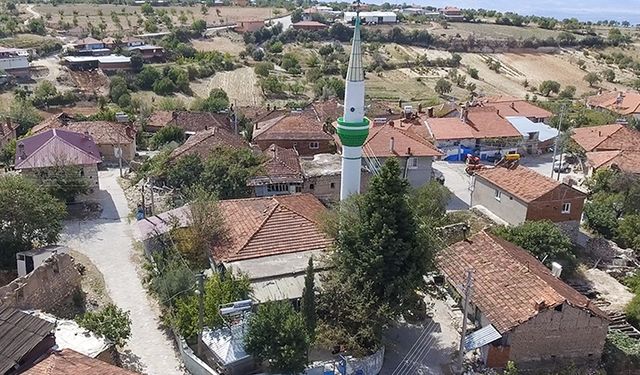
(481, 131)
(537, 137)
(281, 173)
(373, 17)
(270, 239)
(523, 312)
(190, 121)
(298, 130)
(623, 103)
(38, 155)
(393, 140)
(107, 63)
(15, 61)
(89, 47)
(7, 133)
(148, 52)
(112, 138)
(322, 177)
(70, 362)
(204, 143)
(452, 14)
(608, 146)
(24, 339)
(514, 107)
(248, 26)
(518, 194)
(309, 26)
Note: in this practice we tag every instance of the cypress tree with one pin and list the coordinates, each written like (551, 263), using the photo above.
(308, 304)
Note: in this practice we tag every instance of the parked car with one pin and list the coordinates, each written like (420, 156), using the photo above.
(569, 158)
(561, 168)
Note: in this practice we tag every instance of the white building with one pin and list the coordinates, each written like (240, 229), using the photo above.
(14, 61)
(372, 17)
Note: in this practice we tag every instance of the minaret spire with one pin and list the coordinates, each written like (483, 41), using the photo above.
(353, 126)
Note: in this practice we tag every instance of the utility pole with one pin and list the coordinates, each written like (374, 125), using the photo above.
(200, 277)
(153, 205)
(144, 207)
(555, 143)
(467, 294)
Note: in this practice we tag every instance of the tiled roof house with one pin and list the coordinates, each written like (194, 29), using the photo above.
(534, 318)
(509, 106)
(282, 173)
(70, 362)
(300, 131)
(622, 103)
(204, 142)
(519, 194)
(609, 145)
(190, 121)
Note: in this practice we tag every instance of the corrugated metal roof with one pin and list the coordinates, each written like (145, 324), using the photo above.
(481, 337)
(281, 288)
(20, 333)
(526, 126)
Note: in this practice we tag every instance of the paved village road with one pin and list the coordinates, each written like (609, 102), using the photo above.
(108, 242)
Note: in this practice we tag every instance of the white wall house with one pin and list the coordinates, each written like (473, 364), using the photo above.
(14, 61)
(372, 17)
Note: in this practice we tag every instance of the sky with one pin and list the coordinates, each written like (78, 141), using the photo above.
(584, 10)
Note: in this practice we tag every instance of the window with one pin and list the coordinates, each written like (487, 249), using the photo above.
(413, 163)
(277, 188)
(314, 145)
(498, 195)
(333, 185)
(566, 208)
(311, 186)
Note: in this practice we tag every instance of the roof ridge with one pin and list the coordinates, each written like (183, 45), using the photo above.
(76, 147)
(273, 209)
(291, 208)
(37, 149)
(196, 143)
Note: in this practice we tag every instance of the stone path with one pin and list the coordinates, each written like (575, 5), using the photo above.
(108, 243)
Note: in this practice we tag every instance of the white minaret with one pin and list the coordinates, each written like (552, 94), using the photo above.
(353, 127)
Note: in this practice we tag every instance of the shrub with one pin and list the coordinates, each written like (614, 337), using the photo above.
(111, 323)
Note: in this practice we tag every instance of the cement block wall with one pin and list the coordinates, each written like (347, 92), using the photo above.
(571, 334)
(45, 287)
(508, 208)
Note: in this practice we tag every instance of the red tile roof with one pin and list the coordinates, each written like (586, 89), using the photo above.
(522, 182)
(510, 286)
(205, 142)
(102, 132)
(625, 160)
(508, 106)
(282, 166)
(292, 126)
(190, 121)
(482, 122)
(54, 148)
(69, 362)
(405, 143)
(607, 138)
(629, 104)
(259, 227)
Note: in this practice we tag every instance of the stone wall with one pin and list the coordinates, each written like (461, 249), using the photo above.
(555, 338)
(45, 287)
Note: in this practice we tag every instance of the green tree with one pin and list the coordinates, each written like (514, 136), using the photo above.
(377, 247)
(29, 217)
(543, 239)
(277, 335)
(276, 47)
(164, 86)
(111, 323)
(8, 153)
(64, 182)
(443, 86)
(227, 170)
(167, 135)
(147, 77)
(217, 101)
(147, 9)
(199, 26)
(271, 85)
(118, 87)
(137, 61)
(218, 290)
(568, 92)
(308, 303)
(430, 201)
(510, 369)
(548, 87)
(296, 15)
(263, 68)
(601, 213)
(37, 26)
(592, 78)
(24, 114)
(628, 232)
(609, 75)
(472, 72)
(185, 171)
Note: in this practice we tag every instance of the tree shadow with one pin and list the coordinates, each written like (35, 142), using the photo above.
(132, 362)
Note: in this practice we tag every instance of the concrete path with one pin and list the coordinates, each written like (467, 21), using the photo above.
(457, 180)
(108, 242)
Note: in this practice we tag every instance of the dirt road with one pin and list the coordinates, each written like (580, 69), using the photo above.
(108, 243)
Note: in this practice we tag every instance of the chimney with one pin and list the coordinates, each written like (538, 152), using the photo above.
(464, 115)
(513, 105)
(430, 112)
(599, 133)
(21, 152)
(408, 150)
(391, 144)
(206, 127)
(498, 112)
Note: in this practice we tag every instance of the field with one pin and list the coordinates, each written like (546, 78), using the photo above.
(227, 43)
(130, 18)
(240, 85)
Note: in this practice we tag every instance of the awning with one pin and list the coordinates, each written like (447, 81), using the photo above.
(481, 337)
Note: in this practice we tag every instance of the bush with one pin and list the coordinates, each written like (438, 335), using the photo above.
(217, 101)
(164, 86)
(167, 135)
(548, 87)
(443, 86)
(111, 323)
(473, 73)
(263, 68)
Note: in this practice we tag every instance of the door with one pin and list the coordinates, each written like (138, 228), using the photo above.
(28, 263)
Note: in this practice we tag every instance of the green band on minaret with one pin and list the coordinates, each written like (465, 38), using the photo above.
(353, 134)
